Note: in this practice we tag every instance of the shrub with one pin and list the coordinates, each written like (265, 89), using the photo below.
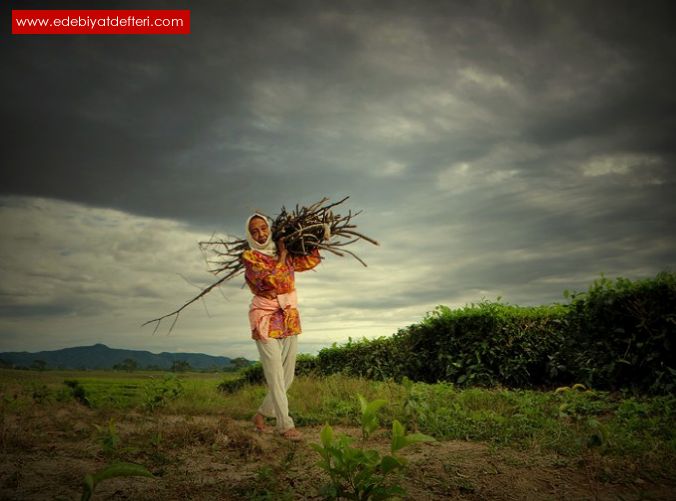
(159, 393)
(617, 335)
(78, 391)
(621, 334)
(378, 359)
(486, 344)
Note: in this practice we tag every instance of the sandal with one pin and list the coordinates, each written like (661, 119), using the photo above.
(259, 423)
(293, 434)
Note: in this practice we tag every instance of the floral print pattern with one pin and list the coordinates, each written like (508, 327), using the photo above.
(263, 274)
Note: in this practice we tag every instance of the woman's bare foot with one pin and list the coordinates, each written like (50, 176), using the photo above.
(259, 423)
(293, 434)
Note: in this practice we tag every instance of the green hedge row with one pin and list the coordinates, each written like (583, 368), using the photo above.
(484, 344)
(622, 334)
(618, 335)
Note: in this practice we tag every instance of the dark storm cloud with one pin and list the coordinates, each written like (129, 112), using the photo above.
(148, 124)
(498, 148)
(159, 125)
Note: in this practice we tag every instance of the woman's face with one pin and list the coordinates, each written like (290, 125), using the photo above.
(259, 230)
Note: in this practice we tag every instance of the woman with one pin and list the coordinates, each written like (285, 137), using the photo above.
(274, 318)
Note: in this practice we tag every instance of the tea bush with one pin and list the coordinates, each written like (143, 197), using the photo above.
(485, 344)
(621, 334)
(618, 335)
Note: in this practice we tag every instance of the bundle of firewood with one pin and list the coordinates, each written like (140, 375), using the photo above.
(303, 230)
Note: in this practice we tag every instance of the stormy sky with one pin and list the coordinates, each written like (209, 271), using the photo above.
(497, 148)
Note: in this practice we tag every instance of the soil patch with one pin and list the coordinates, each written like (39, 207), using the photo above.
(46, 456)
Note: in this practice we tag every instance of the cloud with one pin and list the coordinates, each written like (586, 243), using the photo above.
(72, 272)
(646, 169)
(512, 149)
(393, 169)
(483, 79)
(94, 266)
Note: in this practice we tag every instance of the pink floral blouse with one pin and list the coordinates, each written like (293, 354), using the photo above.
(263, 274)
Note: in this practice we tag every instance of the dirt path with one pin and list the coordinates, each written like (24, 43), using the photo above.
(212, 458)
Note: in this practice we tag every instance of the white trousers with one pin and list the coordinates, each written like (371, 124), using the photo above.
(278, 357)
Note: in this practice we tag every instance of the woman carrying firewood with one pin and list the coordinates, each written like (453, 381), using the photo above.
(273, 315)
(269, 257)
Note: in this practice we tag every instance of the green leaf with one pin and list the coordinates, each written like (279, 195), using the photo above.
(339, 455)
(326, 435)
(369, 424)
(398, 433)
(383, 493)
(401, 440)
(398, 428)
(317, 448)
(344, 440)
(122, 470)
(369, 418)
(415, 438)
(88, 488)
(111, 471)
(374, 406)
(362, 402)
(371, 457)
(389, 464)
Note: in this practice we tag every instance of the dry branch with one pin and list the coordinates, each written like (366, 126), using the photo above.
(303, 229)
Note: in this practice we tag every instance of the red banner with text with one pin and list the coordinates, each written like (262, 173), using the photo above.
(100, 22)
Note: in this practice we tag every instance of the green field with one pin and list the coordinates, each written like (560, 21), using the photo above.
(618, 444)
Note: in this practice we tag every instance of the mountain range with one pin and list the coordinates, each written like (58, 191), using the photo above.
(100, 356)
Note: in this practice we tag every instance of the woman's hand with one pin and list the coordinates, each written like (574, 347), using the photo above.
(281, 250)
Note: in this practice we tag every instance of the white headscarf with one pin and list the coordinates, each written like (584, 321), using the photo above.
(268, 247)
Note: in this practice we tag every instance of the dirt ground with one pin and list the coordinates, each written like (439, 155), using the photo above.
(45, 456)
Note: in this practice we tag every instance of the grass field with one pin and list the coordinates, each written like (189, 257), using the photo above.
(57, 426)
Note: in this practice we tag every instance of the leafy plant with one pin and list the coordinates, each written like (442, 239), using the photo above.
(108, 437)
(357, 473)
(111, 471)
(618, 335)
(622, 334)
(40, 393)
(582, 407)
(413, 407)
(78, 391)
(160, 393)
(267, 487)
(369, 415)
(156, 439)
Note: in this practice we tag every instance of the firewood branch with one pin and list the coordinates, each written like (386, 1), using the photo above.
(304, 229)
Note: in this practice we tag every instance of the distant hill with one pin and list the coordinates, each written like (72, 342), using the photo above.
(99, 356)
